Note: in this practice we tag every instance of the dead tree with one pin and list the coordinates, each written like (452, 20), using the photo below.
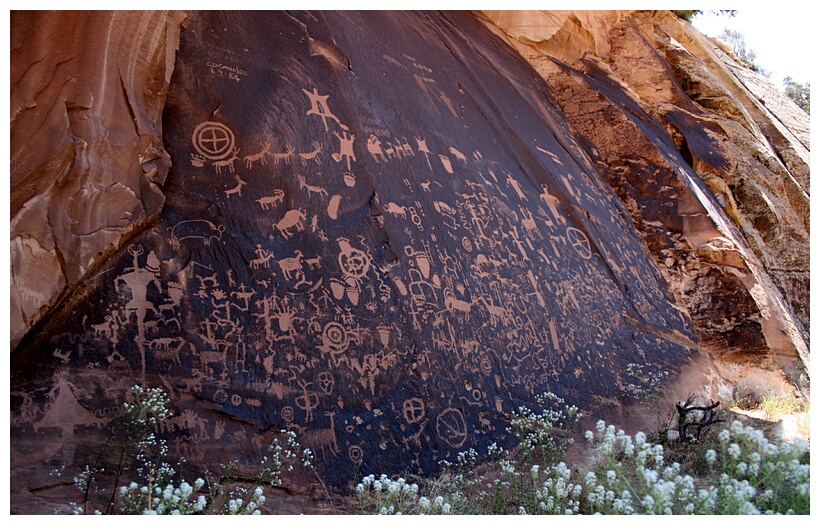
(693, 419)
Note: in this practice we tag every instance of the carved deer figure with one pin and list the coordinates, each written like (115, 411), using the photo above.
(286, 155)
(236, 189)
(310, 189)
(272, 200)
(322, 438)
(312, 155)
(258, 157)
(227, 162)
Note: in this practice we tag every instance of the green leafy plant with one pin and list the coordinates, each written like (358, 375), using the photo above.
(143, 482)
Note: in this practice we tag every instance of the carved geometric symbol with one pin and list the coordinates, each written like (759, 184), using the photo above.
(334, 337)
(213, 140)
(354, 262)
(413, 410)
(325, 381)
(355, 453)
(287, 414)
(451, 427)
(467, 244)
(578, 240)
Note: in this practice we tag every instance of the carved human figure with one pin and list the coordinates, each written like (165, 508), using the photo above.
(345, 148)
(318, 106)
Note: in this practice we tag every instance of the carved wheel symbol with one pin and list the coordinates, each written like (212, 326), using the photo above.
(451, 427)
(334, 336)
(578, 240)
(213, 140)
(413, 410)
(355, 263)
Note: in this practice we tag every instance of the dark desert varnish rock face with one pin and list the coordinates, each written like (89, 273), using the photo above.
(378, 232)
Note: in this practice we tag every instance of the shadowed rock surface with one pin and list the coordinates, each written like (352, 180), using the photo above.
(386, 231)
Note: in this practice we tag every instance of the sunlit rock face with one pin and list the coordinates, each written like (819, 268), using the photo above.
(741, 269)
(386, 232)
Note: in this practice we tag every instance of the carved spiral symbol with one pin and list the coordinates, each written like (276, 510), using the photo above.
(355, 453)
(335, 337)
(578, 240)
(287, 414)
(467, 244)
(486, 366)
(213, 140)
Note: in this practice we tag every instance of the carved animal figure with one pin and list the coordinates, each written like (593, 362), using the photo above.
(291, 264)
(219, 164)
(312, 155)
(286, 155)
(272, 200)
(310, 189)
(322, 438)
(396, 210)
(496, 312)
(200, 229)
(374, 146)
(236, 189)
(260, 157)
(292, 219)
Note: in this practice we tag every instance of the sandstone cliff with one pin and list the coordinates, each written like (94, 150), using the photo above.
(386, 231)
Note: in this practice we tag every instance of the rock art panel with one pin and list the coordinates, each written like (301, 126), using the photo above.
(331, 260)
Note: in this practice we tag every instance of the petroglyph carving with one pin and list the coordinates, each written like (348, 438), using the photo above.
(516, 186)
(322, 438)
(551, 201)
(335, 338)
(445, 161)
(199, 229)
(197, 161)
(292, 265)
(413, 410)
(213, 140)
(353, 262)
(307, 401)
(375, 149)
(61, 356)
(318, 106)
(426, 185)
(326, 382)
(579, 241)
(258, 157)
(451, 427)
(333, 206)
(284, 156)
(236, 189)
(452, 304)
(457, 154)
(422, 147)
(396, 210)
(271, 201)
(312, 155)
(345, 148)
(310, 189)
(292, 219)
(355, 453)
(219, 164)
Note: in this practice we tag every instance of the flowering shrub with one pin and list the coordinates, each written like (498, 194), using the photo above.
(743, 473)
(155, 489)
